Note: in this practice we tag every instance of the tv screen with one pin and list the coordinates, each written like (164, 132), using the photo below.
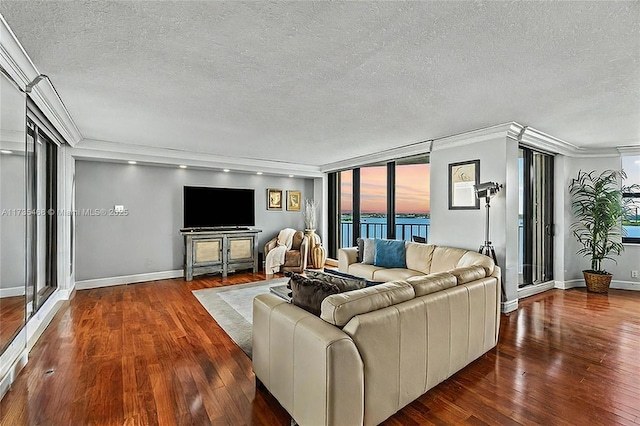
(218, 207)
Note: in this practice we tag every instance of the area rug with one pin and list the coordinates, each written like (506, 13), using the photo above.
(232, 307)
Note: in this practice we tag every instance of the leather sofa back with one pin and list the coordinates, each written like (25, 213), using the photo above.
(410, 347)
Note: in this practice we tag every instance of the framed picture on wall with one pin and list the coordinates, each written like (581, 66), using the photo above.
(274, 199)
(462, 177)
(293, 201)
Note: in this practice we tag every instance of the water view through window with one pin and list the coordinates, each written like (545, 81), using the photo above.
(631, 223)
(412, 201)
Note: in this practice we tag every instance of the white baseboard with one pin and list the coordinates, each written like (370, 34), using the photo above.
(532, 290)
(509, 306)
(12, 291)
(127, 279)
(615, 284)
(7, 380)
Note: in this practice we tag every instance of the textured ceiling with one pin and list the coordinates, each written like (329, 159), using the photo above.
(318, 82)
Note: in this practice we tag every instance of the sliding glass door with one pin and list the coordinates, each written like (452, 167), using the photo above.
(42, 217)
(536, 217)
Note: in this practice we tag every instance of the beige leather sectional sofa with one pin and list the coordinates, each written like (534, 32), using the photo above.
(375, 350)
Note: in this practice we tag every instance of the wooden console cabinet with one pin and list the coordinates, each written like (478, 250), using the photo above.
(224, 251)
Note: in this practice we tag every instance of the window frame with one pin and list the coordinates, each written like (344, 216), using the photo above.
(334, 206)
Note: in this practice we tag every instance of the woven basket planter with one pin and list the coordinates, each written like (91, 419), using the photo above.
(597, 283)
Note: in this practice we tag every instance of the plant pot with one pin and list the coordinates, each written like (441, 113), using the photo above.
(597, 282)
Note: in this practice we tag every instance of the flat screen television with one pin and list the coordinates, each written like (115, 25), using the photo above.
(206, 207)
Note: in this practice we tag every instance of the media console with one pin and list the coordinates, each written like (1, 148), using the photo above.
(221, 250)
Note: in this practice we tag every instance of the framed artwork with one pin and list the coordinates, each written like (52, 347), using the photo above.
(293, 201)
(462, 177)
(274, 199)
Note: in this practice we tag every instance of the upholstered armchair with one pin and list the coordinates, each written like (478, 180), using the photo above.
(295, 260)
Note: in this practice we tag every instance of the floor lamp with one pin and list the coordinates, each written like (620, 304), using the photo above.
(487, 190)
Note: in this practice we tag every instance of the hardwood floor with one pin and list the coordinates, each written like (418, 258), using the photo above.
(11, 317)
(147, 354)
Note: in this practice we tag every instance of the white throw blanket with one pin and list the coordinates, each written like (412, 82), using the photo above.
(275, 257)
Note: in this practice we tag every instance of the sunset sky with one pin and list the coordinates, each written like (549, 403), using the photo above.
(412, 189)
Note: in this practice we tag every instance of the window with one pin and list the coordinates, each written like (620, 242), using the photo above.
(346, 208)
(631, 194)
(373, 202)
(413, 198)
(388, 200)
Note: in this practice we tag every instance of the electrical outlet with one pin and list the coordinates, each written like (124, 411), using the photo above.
(634, 274)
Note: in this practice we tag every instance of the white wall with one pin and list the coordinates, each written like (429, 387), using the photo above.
(148, 239)
(572, 264)
(465, 228)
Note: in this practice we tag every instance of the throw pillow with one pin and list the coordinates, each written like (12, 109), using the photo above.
(343, 283)
(360, 242)
(308, 294)
(390, 254)
(368, 251)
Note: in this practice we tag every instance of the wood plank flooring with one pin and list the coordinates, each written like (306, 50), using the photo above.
(149, 354)
(11, 317)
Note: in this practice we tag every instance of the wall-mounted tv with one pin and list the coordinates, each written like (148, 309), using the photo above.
(206, 207)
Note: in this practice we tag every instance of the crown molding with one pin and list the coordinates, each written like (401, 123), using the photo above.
(510, 130)
(629, 150)
(544, 142)
(15, 60)
(417, 148)
(90, 149)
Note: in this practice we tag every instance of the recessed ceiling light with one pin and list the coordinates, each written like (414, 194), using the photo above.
(290, 175)
(226, 170)
(637, 161)
(6, 151)
(132, 162)
(182, 166)
(259, 173)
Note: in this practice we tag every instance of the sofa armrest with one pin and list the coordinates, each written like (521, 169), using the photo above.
(271, 244)
(325, 384)
(347, 256)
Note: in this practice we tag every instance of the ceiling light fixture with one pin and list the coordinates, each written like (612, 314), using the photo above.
(259, 173)
(290, 175)
(132, 162)
(226, 170)
(6, 151)
(182, 166)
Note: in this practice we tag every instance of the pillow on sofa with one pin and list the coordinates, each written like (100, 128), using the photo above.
(343, 283)
(368, 250)
(390, 254)
(309, 293)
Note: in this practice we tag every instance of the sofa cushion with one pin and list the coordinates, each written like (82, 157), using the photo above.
(309, 293)
(390, 254)
(427, 284)
(419, 256)
(446, 258)
(363, 270)
(468, 273)
(343, 283)
(393, 274)
(338, 309)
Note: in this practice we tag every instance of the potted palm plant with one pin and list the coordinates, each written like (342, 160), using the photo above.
(598, 207)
